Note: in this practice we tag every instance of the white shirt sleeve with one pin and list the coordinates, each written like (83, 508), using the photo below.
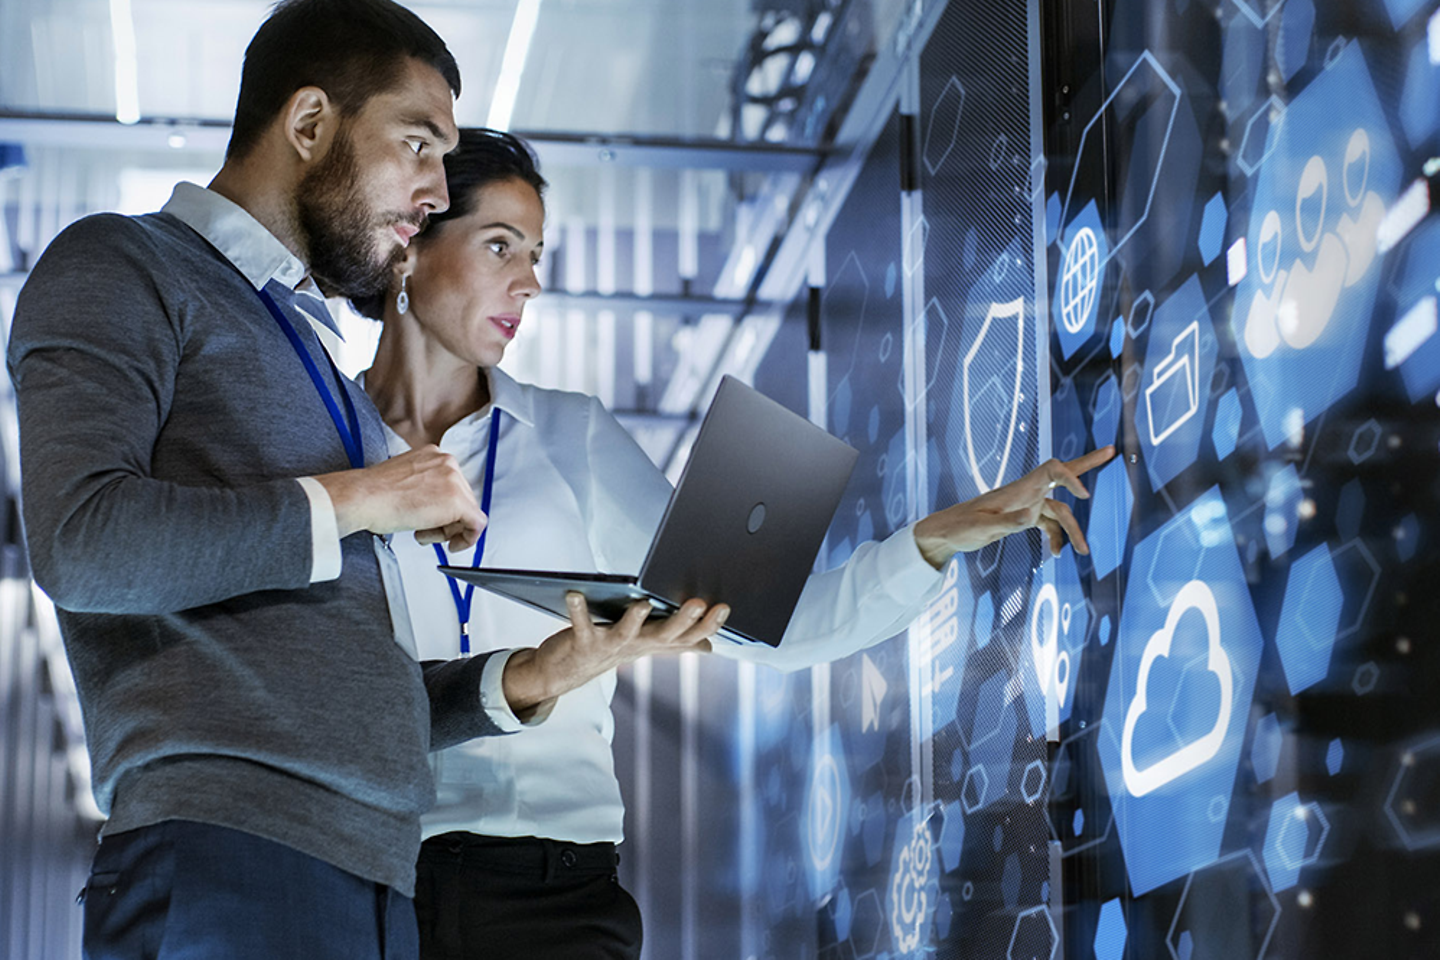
(492, 697)
(325, 558)
(873, 596)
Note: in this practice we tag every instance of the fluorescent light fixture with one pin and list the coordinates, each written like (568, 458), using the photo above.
(127, 70)
(512, 64)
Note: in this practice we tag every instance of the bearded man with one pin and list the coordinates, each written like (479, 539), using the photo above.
(206, 500)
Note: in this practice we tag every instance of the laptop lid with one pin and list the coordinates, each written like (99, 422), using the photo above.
(743, 526)
(750, 512)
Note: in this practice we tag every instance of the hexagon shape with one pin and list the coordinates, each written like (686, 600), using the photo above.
(1334, 756)
(1212, 228)
(952, 838)
(1282, 510)
(1034, 936)
(1179, 364)
(1353, 561)
(1262, 131)
(1105, 408)
(1309, 616)
(1056, 628)
(1305, 359)
(1350, 510)
(1203, 925)
(914, 885)
(1413, 803)
(1084, 252)
(1420, 103)
(1072, 771)
(942, 128)
(1153, 783)
(1366, 676)
(1258, 12)
(1294, 838)
(1265, 751)
(984, 620)
(990, 705)
(1110, 509)
(977, 784)
(1110, 932)
(1297, 27)
(1364, 442)
(1226, 432)
(1117, 337)
(938, 334)
(1104, 630)
(1141, 311)
(1032, 782)
(867, 924)
(1146, 78)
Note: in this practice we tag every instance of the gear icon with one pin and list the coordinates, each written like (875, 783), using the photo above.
(910, 889)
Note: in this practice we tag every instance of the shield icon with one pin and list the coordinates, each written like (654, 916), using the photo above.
(988, 385)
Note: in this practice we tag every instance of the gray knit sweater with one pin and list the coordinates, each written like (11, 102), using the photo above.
(163, 419)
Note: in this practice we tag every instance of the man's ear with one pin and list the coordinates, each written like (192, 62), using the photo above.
(309, 121)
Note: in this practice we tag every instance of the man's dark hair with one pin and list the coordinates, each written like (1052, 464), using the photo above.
(483, 157)
(351, 49)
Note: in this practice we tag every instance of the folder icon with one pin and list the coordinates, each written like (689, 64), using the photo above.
(1173, 396)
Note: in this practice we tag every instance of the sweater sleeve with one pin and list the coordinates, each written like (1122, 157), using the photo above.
(459, 710)
(94, 354)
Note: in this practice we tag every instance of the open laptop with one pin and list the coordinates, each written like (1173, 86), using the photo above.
(743, 527)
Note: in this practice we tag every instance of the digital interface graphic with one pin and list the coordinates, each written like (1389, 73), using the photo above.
(1214, 735)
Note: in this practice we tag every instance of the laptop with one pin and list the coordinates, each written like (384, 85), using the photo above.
(743, 526)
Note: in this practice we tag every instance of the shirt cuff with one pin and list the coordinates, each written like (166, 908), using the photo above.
(325, 558)
(903, 568)
(492, 697)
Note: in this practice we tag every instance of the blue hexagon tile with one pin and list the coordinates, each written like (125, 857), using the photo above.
(1309, 617)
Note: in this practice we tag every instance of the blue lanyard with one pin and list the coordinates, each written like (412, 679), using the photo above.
(349, 432)
(462, 600)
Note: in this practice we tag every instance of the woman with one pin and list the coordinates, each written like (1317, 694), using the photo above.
(519, 858)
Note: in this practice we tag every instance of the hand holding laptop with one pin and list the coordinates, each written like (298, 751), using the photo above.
(586, 650)
(1017, 506)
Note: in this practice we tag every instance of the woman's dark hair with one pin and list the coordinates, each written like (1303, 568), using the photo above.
(483, 157)
(351, 49)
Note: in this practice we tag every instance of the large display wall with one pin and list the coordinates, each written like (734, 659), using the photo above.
(1198, 231)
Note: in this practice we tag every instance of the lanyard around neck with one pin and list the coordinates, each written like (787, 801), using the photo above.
(350, 435)
(462, 599)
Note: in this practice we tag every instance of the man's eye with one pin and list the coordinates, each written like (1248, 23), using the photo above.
(416, 146)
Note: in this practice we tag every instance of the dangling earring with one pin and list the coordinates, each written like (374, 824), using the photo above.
(402, 299)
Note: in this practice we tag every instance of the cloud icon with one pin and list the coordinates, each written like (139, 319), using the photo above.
(1195, 595)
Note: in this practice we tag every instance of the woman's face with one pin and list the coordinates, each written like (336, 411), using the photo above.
(474, 274)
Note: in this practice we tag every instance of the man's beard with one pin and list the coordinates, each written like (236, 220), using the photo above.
(340, 228)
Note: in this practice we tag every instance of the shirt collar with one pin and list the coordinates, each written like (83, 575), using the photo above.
(229, 228)
(507, 395)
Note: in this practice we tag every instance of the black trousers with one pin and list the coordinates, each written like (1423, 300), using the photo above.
(494, 898)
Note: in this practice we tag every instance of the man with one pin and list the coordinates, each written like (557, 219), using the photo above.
(202, 495)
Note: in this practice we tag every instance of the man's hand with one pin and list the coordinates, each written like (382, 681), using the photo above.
(421, 490)
(583, 652)
(1017, 506)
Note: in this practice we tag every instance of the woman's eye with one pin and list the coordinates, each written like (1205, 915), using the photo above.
(499, 247)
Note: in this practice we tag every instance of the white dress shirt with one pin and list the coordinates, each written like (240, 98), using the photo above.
(574, 492)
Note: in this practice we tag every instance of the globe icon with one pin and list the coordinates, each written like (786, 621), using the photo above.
(1079, 277)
